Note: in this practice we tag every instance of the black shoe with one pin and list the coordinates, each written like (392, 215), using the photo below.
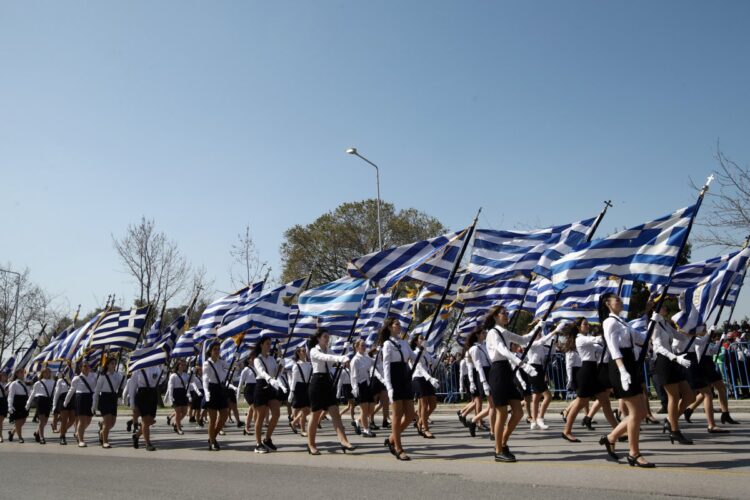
(150, 447)
(688, 413)
(506, 456)
(63, 441)
(386, 424)
(666, 427)
(506, 450)
(604, 441)
(390, 446)
(36, 437)
(617, 415)
(716, 430)
(357, 428)
(191, 420)
(309, 450)
(345, 448)
(259, 448)
(473, 429)
(374, 426)
(492, 437)
(269, 444)
(169, 419)
(633, 462)
(727, 419)
(44, 441)
(10, 436)
(135, 441)
(129, 425)
(679, 437)
(587, 423)
(240, 423)
(566, 438)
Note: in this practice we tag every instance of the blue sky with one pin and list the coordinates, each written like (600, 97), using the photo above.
(206, 116)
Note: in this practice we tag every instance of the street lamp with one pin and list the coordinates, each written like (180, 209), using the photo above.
(15, 319)
(353, 151)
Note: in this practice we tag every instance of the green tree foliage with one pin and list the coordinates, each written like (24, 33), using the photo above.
(333, 239)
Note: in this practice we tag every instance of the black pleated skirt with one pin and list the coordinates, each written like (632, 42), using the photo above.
(539, 381)
(217, 399)
(502, 387)
(264, 393)
(587, 380)
(401, 382)
(19, 408)
(478, 391)
(43, 406)
(3, 407)
(574, 382)
(179, 397)
(230, 395)
(634, 369)
(710, 372)
(249, 394)
(301, 398)
(422, 388)
(346, 392)
(695, 374)
(669, 372)
(196, 401)
(108, 403)
(321, 392)
(376, 386)
(602, 370)
(84, 401)
(365, 394)
(146, 400)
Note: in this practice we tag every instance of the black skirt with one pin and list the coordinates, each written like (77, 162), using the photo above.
(84, 401)
(264, 393)
(634, 369)
(669, 372)
(196, 401)
(539, 381)
(401, 382)
(249, 394)
(217, 399)
(710, 372)
(695, 374)
(230, 395)
(3, 407)
(108, 403)
(346, 392)
(301, 398)
(603, 376)
(19, 408)
(376, 386)
(422, 388)
(502, 388)
(587, 380)
(574, 382)
(478, 391)
(179, 397)
(43, 406)
(321, 393)
(365, 394)
(146, 400)
(466, 382)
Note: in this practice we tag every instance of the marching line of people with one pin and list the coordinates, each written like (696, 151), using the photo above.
(391, 378)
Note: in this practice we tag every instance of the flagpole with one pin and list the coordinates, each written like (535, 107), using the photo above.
(449, 283)
(294, 323)
(446, 344)
(657, 307)
(589, 236)
(517, 312)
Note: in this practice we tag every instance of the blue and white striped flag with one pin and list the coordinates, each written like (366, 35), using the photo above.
(76, 340)
(185, 347)
(646, 252)
(698, 302)
(120, 328)
(438, 329)
(307, 325)
(159, 352)
(692, 274)
(153, 334)
(270, 312)
(501, 254)
(24, 359)
(7, 367)
(581, 299)
(734, 291)
(427, 259)
(214, 313)
(47, 354)
(342, 297)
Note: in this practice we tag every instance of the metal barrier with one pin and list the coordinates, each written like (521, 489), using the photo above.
(732, 363)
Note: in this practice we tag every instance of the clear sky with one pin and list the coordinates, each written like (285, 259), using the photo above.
(206, 116)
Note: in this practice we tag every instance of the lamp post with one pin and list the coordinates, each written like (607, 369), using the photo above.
(15, 309)
(353, 151)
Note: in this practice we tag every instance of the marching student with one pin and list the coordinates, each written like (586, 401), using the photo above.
(541, 396)
(105, 399)
(42, 392)
(396, 354)
(285, 390)
(82, 389)
(625, 375)
(321, 391)
(668, 345)
(128, 397)
(502, 384)
(699, 383)
(65, 412)
(361, 367)
(195, 394)
(344, 391)
(18, 396)
(177, 394)
(246, 387)
(230, 388)
(590, 349)
(266, 398)
(146, 399)
(379, 391)
(423, 385)
(215, 372)
(298, 395)
(464, 372)
(3, 402)
(478, 370)
(567, 346)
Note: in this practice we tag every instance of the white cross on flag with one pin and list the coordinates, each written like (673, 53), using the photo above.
(120, 328)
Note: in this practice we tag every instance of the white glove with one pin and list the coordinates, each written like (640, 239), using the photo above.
(625, 379)
(344, 360)
(435, 383)
(521, 381)
(208, 396)
(472, 388)
(355, 391)
(93, 410)
(683, 361)
(485, 386)
(291, 396)
(530, 370)
(390, 395)
(275, 384)
(655, 317)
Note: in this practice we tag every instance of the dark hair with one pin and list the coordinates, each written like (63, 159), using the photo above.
(211, 346)
(489, 320)
(603, 309)
(571, 331)
(315, 339)
(385, 330)
(15, 373)
(472, 338)
(257, 347)
(415, 339)
(296, 352)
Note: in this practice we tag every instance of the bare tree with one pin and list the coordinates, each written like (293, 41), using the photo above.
(34, 309)
(154, 262)
(728, 210)
(246, 265)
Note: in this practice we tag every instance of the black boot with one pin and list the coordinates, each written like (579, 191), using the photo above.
(587, 423)
(679, 437)
(688, 413)
(727, 419)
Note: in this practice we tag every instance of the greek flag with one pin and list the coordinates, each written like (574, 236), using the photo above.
(342, 297)
(373, 314)
(120, 328)
(402, 310)
(698, 302)
(7, 367)
(307, 325)
(214, 313)
(436, 337)
(76, 340)
(692, 274)
(159, 352)
(501, 254)
(734, 291)
(153, 334)
(427, 260)
(581, 299)
(508, 292)
(47, 354)
(644, 253)
(270, 312)
(228, 349)
(185, 347)
(23, 360)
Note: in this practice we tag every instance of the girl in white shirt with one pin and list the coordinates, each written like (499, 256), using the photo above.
(465, 367)
(82, 391)
(105, 399)
(177, 394)
(267, 388)
(42, 392)
(298, 391)
(361, 367)
(246, 387)
(66, 412)
(424, 385)
(18, 396)
(3, 402)
(215, 372)
(478, 368)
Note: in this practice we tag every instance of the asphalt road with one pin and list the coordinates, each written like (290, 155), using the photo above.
(453, 465)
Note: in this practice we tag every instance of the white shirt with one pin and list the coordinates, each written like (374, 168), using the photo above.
(589, 347)
(426, 361)
(322, 362)
(16, 388)
(360, 367)
(148, 378)
(81, 385)
(196, 384)
(43, 388)
(498, 341)
(214, 372)
(301, 373)
(176, 381)
(572, 360)
(247, 376)
(619, 335)
(265, 368)
(663, 337)
(395, 351)
(538, 351)
(61, 388)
